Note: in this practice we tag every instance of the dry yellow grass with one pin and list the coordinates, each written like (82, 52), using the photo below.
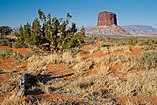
(68, 57)
(94, 88)
(40, 61)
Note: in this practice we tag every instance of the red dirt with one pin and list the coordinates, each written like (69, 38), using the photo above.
(90, 73)
(124, 100)
(88, 47)
(59, 69)
(96, 54)
(56, 97)
(11, 64)
(59, 97)
(136, 51)
(98, 44)
(2, 60)
(4, 78)
(118, 73)
(4, 47)
(116, 67)
(2, 98)
(22, 51)
(136, 71)
(120, 53)
(123, 78)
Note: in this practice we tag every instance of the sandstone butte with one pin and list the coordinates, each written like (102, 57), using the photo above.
(107, 19)
(107, 24)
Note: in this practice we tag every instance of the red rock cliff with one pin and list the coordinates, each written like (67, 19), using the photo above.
(107, 19)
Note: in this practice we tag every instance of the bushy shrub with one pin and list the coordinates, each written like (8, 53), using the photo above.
(50, 34)
(16, 45)
(5, 41)
(5, 52)
(5, 30)
(148, 60)
(132, 41)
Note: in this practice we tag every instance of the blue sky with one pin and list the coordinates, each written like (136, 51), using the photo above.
(84, 12)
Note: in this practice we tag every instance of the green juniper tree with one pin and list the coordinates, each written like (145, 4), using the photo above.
(53, 35)
(36, 34)
(5, 30)
(20, 37)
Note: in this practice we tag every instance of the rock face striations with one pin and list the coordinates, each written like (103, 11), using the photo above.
(107, 19)
(107, 25)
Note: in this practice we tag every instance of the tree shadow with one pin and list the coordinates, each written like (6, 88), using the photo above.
(30, 81)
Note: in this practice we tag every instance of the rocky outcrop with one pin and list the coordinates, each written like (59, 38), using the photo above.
(108, 30)
(106, 19)
(107, 25)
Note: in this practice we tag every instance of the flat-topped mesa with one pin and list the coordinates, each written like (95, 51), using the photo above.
(107, 19)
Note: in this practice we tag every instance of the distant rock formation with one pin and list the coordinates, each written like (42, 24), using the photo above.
(106, 19)
(107, 25)
(140, 29)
